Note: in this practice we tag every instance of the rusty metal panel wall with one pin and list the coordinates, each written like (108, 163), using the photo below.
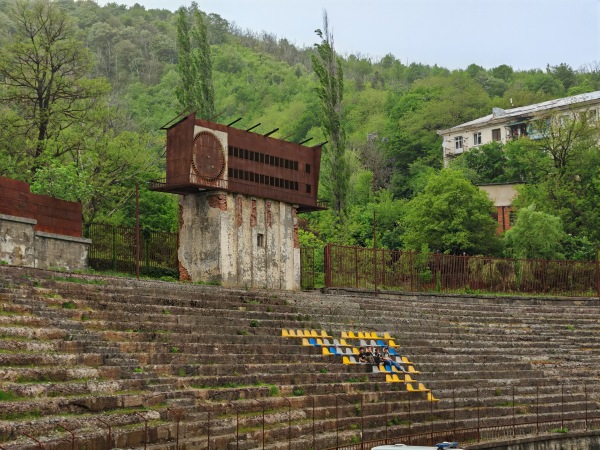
(52, 215)
(258, 165)
(179, 150)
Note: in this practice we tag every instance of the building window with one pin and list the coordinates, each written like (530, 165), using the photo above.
(308, 168)
(496, 135)
(260, 240)
(458, 142)
(476, 138)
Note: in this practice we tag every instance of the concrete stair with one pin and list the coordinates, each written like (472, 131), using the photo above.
(87, 353)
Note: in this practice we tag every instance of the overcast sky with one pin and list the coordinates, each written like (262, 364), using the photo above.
(524, 34)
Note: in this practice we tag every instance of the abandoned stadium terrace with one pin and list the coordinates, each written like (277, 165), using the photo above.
(96, 363)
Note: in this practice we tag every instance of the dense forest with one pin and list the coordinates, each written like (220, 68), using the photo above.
(116, 79)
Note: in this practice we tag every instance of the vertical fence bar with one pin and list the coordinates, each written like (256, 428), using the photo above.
(513, 412)
(382, 268)
(586, 405)
(410, 254)
(356, 266)
(375, 252)
(537, 409)
(597, 272)
(137, 231)
(327, 264)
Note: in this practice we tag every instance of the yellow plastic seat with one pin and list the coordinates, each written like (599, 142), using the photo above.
(300, 333)
(368, 335)
(344, 335)
(285, 333)
(324, 334)
(409, 379)
(305, 343)
(355, 351)
(411, 369)
(405, 360)
(343, 343)
(351, 335)
(326, 351)
(387, 335)
(374, 335)
(397, 378)
(392, 343)
(422, 388)
(361, 335)
(410, 388)
(389, 378)
(431, 398)
(319, 341)
(382, 368)
(345, 360)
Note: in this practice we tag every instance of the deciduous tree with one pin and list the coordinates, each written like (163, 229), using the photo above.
(44, 69)
(451, 216)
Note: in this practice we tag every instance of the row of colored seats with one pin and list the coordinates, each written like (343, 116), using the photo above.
(389, 368)
(364, 335)
(399, 359)
(378, 343)
(304, 333)
(318, 342)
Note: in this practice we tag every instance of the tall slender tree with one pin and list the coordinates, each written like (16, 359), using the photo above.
(196, 92)
(328, 68)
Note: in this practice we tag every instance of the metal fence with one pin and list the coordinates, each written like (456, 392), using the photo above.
(355, 422)
(114, 248)
(368, 268)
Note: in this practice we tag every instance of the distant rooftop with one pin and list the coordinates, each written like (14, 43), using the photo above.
(499, 114)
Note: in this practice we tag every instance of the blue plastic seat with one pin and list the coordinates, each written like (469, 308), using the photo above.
(392, 351)
(313, 341)
(380, 343)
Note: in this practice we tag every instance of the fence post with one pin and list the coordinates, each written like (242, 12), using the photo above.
(109, 431)
(410, 254)
(313, 422)
(178, 418)
(145, 429)
(382, 268)
(375, 251)
(537, 409)
(478, 418)
(327, 264)
(289, 422)
(356, 266)
(586, 405)
(513, 412)
(137, 231)
(597, 272)
(71, 433)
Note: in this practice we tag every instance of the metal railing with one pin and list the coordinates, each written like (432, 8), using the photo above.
(114, 248)
(368, 268)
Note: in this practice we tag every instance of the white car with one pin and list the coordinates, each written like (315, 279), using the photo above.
(440, 446)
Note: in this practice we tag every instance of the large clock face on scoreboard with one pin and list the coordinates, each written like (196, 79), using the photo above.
(208, 156)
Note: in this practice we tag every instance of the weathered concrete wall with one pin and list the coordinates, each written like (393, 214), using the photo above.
(56, 250)
(239, 240)
(21, 245)
(17, 240)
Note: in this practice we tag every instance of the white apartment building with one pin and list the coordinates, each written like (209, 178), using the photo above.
(503, 125)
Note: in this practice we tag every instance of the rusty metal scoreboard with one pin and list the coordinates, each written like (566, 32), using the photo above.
(203, 155)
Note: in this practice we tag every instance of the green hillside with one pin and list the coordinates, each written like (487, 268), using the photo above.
(104, 133)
